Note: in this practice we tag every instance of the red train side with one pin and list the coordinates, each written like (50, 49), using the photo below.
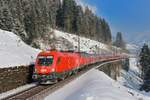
(53, 65)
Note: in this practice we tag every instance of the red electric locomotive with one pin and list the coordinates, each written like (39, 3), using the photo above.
(53, 65)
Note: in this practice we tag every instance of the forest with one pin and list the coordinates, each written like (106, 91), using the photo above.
(33, 19)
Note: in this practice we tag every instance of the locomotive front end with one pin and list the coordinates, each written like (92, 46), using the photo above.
(44, 70)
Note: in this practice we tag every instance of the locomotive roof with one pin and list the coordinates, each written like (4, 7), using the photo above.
(69, 51)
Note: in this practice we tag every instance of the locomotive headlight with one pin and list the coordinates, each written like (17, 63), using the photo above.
(53, 70)
(43, 70)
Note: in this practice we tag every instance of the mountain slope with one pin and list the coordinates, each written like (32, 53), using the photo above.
(65, 41)
(132, 48)
(13, 51)
(33, 19)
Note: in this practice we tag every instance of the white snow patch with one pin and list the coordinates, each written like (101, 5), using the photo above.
(13, 51)
(93, 85)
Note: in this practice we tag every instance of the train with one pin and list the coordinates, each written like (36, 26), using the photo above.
(52, 65)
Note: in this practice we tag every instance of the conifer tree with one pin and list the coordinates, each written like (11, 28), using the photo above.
(119, 41)
(33, 19)
(71, 18)
(145, 61)
(6, 20)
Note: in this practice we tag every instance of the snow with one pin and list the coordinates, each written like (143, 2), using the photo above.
(94, 85)
(65, 41)
(86, 45)
(132, 48)
(14, 52)
(134, 65)
(15, 91)
(132, 80)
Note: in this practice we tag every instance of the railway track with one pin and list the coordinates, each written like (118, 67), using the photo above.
(26, 93)
(39, 92)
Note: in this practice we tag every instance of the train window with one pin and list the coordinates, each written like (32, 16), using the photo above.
(45, 60)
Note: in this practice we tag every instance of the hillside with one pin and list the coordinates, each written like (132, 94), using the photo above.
(132, 48)
(65, 41)
(34, 19)
(14, 52)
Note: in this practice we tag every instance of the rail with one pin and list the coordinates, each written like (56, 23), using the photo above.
(41, 91)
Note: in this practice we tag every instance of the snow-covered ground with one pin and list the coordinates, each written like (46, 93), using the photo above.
(14, 52)
(132, 80)
(95, 85)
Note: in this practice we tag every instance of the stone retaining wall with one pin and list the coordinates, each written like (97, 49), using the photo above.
(11, 78)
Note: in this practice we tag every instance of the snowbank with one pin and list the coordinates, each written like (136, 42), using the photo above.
(13, 51)
(93, 85)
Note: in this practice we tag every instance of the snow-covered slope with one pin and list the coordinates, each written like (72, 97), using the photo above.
(133, 48)
(86, 44)
(94, 85)
(132, 80)
(13, 51)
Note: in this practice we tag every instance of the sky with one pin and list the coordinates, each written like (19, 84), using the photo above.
(131, 17)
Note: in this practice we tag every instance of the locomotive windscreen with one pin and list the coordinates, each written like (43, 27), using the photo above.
(45, 60)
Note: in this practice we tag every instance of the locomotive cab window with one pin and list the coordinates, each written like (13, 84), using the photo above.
(45, 60)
